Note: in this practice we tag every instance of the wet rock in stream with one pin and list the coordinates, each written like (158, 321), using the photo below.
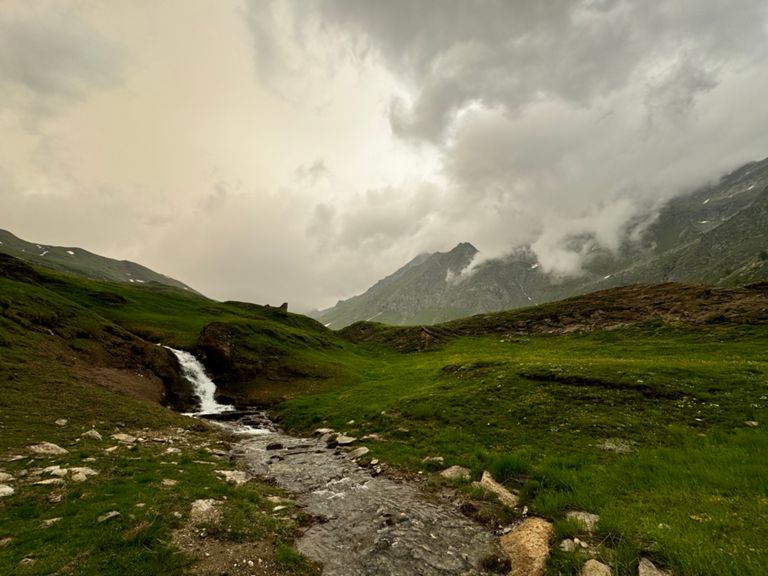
(370, 525)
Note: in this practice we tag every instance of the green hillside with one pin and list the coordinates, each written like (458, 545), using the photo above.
(644, 404)
(80, 262)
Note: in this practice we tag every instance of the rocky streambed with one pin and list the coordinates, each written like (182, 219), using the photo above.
(367, 524)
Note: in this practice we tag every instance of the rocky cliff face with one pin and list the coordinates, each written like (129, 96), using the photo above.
(716, 235)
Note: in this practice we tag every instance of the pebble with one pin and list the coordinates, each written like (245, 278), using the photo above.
(108, 516)
(169, 482)
(61, 422)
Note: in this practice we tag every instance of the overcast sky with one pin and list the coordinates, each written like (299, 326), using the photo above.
(301, 150)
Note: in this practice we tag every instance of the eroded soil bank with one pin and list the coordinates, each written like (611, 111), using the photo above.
(367, 524)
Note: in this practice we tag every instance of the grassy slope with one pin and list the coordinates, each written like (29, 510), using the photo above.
(537, 410)
(534, 410)
(50, 326)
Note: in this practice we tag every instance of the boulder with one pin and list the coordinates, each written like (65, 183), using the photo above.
(647, 568)
(47, 449)
(505, 496)
(527, 547)
(92, 434)
(594, 568)
(586, 519)
(456, 473)
(358, 452)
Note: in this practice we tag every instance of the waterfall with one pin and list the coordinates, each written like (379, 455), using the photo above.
(204, 387)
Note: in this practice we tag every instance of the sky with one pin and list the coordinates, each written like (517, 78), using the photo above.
(300, 150)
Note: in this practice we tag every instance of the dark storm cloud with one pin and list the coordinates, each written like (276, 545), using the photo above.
(554, 119)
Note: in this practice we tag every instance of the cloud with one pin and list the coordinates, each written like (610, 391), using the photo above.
(50, 57)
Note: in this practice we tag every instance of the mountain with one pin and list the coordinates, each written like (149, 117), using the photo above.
(716, 235)
(79, 262)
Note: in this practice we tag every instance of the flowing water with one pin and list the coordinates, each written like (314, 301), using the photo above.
(367, 524)
(203, 386)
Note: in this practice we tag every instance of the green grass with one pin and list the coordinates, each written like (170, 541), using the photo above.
(537, 412)
(688, 488)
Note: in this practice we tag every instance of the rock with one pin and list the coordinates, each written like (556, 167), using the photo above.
(752, 423)
(236, 477)
(92, 434)
(169, 482)
(26, 562)
(456, 473)
(108, 516)
(172, 450)
(205, 511)
(57, 471)
(124, 438)
(49, 482)
(435, 459)
(568, 545)
(595, 568)
(323, 431)
(527, 547)
(586, 519)
(5, 477)
(617, 445)
(5, 490)
(647, 568)
(358, 452)
(79, 477)
(373, 436)
(342, 440)
(5, 541)
(47, 449)
(328, 439)
(274, 446)
(505, 496)
(110, 449)
(61, 422)
(50, 522)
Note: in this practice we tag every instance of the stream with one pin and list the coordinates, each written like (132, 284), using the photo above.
(367, 524)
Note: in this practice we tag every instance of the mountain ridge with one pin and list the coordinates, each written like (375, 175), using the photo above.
(717, 234)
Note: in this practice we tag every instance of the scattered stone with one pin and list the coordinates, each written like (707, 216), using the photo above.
(647, 568)
(342, 440)
(752, 423)
(56, 471)
(55, 497)
(50, 521)
(505, 496)
(568, 545)
(527, 547)
(83, 470)
(61, 422)
(375, 462)
(617, 445)
(373, 436)
(79, 477)
(5, 541)
(350, 423)
(92, 434)
(278, 508)
(49, 482)
(456, 473)
(323, 431)
(27, 561)
(358, 452)
(47, 449)
(595, 568)
(110, 449)
(435, 459)
(328, 438)
(124, 438)
(5, 490)
(236, 477)
(274, 446)
(205, 511)
(108, 516)
(172, 450)
(586, 519)
(169, 482)
(5, 477)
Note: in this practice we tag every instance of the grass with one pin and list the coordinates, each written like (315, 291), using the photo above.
(645, 425)
(537, 413)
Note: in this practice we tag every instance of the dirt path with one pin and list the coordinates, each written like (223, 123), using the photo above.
(368, 526)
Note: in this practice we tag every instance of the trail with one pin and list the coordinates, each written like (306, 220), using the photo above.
(367, 525)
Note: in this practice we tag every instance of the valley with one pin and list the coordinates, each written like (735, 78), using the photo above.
(644, 405)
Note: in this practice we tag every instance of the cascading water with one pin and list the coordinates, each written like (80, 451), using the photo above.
(204, 387)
